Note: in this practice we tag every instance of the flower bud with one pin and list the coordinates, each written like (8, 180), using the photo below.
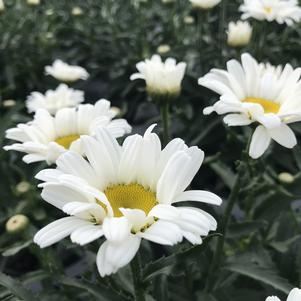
(17, 223)
(164, 48)
(286, 178)
(76, 11)
(204, 4)
(9, 103)
(23, 187)
(33, 2)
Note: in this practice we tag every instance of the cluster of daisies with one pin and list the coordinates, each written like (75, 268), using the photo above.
(240, 33)
(120, 191)
(117, 193)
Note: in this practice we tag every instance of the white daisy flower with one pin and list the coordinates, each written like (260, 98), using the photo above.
(47, 137)
(295, 295)
(281, 11)
(2, 6)
(125, 194)
(239, 34)
(65, 72)
(162, 78)
(252, 92)
(204, 4)
(54, 100)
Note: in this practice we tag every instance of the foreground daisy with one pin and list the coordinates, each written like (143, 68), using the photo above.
(281, 11)
(260, 93)
(162, 78)
(54, 100)
(47, 137)
(65, 72)
(126, 193)
(204, 4)
(295, 295)
(239, 34)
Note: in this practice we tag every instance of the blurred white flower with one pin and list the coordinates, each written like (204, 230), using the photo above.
(49, 12)
(286, 178)
(281, 11)
(126, 194)
(7, 103)
(168, 1)
(204, 4)
(54, 100)
(188, 20)
(33, 2)
(65, 72)
(17, 223)
(239, 34)
(260, 93)
(295, 295)
(76, 11)
(2, 6)
(164, 48)
(162, 78)
(47, 137)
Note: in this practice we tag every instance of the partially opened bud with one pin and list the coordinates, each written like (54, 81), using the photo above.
(163, 79)
(17, 223)
(239, 34)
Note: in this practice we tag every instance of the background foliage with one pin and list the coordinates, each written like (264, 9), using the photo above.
(263, 248)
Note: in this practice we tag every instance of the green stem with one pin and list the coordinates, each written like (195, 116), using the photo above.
(137, 278)
(165, 120)
(222, 25)
(223, 230)
(200, 22)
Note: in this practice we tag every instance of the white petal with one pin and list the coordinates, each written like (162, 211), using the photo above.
(113, 256)
(284, 136)
(164, 212)
(57, 231)
(295, 295)
(260, 142)
(163, 232)
(237, 120)
(86, 234)
(199, 196)
(116, 229)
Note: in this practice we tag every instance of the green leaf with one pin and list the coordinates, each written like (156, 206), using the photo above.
(16, 288)
(244, 228)
(284, 246)
(247, 265)
(98, 290)
(164, 264)
(224, 172)
(13, 250)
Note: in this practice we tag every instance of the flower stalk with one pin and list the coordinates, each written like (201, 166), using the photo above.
(165, 117)
(137, 278)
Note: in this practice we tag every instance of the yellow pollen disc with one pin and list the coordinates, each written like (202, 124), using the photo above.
(66, 140)
(268, 9)
(268, 106)
(131, 196)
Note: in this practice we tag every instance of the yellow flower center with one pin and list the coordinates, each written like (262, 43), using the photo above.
(268, 106)
(268, 9)
(131, 196)
(66, 140)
